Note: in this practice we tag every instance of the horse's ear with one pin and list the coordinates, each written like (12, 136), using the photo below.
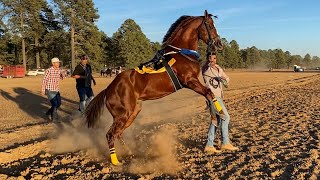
(206, 15)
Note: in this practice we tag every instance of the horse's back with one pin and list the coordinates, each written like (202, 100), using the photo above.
(144, 86)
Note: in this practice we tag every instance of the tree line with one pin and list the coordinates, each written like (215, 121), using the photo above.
(34, 31)
(234, 57)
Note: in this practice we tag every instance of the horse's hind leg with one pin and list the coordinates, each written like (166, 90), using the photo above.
(131, 118)
(134, 114)
(120, 123)
(114, 132)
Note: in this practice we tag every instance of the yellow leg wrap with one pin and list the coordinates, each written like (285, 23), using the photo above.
(113, 155)
(114, 159)
(217, 105)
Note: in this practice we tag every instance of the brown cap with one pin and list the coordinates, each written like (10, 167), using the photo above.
(84, 57)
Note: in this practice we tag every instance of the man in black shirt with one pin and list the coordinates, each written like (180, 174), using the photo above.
(83, 75)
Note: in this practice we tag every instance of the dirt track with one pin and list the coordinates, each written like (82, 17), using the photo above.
(275, 120)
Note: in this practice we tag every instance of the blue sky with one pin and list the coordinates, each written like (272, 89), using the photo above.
(287, 24)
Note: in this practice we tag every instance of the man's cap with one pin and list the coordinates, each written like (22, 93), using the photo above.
(210, 51)
(84, 57)
(53, 60)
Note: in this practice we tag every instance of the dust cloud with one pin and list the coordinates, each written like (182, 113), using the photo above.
(75, 136)
(147, 149)
(157, 155)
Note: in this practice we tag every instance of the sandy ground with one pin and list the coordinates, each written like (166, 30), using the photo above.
(275, 121)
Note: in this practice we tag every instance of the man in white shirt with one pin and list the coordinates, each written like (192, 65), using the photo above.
(215, 78)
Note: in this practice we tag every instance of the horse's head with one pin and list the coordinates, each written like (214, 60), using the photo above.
(208, 33)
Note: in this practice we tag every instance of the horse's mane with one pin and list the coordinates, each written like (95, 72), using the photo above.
(174, 28)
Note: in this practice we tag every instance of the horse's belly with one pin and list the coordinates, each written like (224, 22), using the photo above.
(156, 86)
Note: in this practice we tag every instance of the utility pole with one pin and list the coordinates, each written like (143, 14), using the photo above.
(73, 60)
(24, 58)
(36, 43)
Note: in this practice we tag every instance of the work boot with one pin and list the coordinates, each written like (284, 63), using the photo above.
(229, 147)
(211, 150)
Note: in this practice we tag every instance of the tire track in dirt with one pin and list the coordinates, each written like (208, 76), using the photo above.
(22, 136)
(12, 129)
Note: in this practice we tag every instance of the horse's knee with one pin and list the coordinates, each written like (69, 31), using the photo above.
(209, 94)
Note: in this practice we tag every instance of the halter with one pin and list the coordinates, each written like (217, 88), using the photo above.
(211, 41)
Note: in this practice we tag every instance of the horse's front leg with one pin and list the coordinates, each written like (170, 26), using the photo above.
(195, 85)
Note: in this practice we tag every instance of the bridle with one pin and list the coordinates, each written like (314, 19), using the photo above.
(211, 43)
(211, 40)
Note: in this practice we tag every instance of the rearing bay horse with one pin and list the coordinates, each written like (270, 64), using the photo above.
(124, 96)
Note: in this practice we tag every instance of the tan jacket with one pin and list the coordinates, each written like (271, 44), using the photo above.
(210, 78)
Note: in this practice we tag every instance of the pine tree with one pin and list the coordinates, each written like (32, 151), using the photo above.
(134, 46)
(272, 59)
(288, 59)
(223, 54)
(253, 57)
(16, 14)
(297, 60)
(315, 61)
(79, 17)
(55, 41)
(307, 60)
(25, 20)
(244, 57)
(234, 58)
(155, 46)
(280, 58)
(36, 28)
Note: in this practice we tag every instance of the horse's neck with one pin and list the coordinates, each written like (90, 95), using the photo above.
(187, 37)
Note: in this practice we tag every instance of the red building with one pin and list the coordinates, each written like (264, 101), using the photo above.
(13, 71)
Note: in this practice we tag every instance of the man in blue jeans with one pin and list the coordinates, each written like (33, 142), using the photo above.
(215, 78)
(83, 75)
(50, 87)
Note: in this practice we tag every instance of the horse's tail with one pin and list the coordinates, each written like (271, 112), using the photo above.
(95, 108)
